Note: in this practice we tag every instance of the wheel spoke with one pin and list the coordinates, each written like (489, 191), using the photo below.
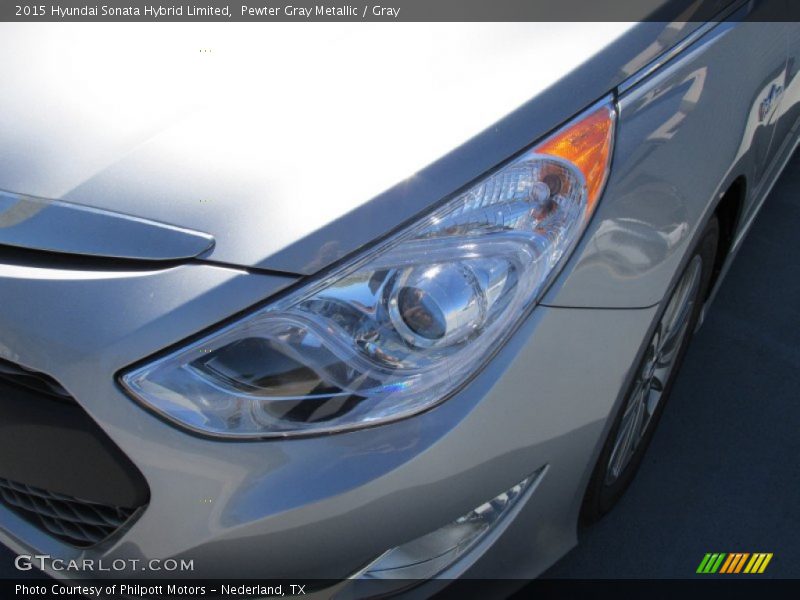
(626, 433)
(679, 310)
(640, 420)
(654, 397)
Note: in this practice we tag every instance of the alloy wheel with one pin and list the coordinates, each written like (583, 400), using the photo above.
(655, 371)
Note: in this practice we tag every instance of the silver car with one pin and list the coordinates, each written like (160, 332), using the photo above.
(365, 302)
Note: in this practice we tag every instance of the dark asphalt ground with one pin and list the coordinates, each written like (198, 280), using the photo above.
(723, 471)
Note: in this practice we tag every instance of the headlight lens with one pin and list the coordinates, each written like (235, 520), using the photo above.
(402, 326)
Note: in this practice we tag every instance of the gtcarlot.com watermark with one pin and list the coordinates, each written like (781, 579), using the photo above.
(45, 562)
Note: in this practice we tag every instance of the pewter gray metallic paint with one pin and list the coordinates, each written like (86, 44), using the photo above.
(325, 506)
(685, 135)
(65, 228)
(291, 172)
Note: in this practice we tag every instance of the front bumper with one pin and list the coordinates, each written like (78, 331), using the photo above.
(321, 507)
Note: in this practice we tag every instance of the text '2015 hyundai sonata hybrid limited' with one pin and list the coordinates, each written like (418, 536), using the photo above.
(360, 300)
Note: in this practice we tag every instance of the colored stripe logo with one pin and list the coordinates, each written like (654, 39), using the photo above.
(734, 562)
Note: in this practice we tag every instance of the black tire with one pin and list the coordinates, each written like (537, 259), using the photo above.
(602, 494)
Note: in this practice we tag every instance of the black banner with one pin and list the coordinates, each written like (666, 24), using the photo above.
(390, 10)
(710, 587)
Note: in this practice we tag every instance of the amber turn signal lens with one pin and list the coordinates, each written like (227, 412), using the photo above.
(587, 144)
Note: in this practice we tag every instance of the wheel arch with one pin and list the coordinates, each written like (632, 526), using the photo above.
(729, 211)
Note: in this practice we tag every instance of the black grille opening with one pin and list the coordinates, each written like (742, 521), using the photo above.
(72, 520)
(58, 469)
(33, 380)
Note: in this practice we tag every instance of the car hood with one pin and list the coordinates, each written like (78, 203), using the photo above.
(291, 144)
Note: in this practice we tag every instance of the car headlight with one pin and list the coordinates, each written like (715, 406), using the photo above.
(400, 327)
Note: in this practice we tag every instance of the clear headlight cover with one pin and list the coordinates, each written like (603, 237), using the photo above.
(402, 326)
